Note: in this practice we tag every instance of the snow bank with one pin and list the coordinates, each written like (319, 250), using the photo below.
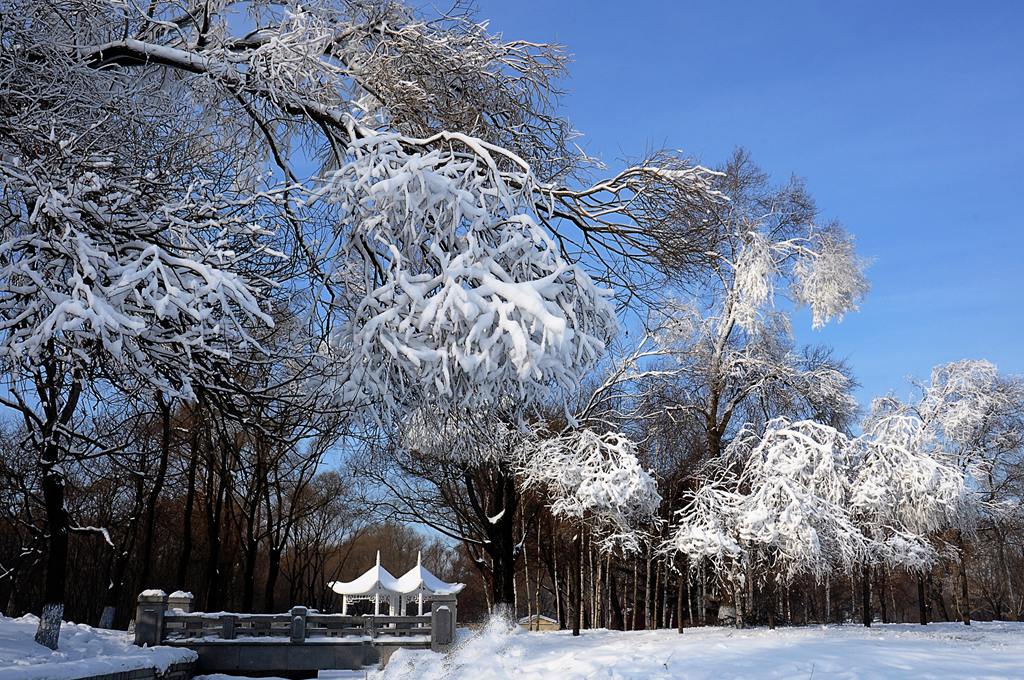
(473, 654)
(84, 651)
(944, 650)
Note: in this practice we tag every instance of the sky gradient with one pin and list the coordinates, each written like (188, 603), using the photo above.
(906, 119)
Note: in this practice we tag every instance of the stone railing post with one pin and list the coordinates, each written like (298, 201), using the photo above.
(180, 600)
(227, 627)
(298, 624)
(442, 623)
(149, 617)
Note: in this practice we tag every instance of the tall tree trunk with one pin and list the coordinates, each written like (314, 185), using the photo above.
(57, 526)
(647, 590)
(634, 610)
(922, 601)
(273, 570)
(577, 590)
(185, 556)
(965, 595)
(680, 598)
(214, 515)
(559, 609)
(866, 595)
(828, 600)
(883, 581)
(149, 527)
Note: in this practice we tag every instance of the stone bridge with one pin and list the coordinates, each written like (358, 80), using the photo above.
(295, 644)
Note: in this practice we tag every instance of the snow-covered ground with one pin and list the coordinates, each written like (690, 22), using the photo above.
(83, 651)
(501, 651)
(944, 650)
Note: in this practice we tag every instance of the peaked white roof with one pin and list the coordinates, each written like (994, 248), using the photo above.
(377, 579)
(420, 578)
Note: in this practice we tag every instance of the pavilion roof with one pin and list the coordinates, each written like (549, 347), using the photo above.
(420, 578)
(377, 579)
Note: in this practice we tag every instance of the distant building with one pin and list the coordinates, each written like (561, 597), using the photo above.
(539, 622)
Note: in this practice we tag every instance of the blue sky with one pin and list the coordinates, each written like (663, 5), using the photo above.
(906, 119)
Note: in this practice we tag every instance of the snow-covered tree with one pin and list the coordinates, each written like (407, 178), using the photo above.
(950, 442)
(797, 475)
(786, 507)
(736, 361)
(903, 491)
(597, 479)
(119, 262)
(405, 180)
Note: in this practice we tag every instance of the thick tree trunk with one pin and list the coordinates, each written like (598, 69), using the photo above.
(185, 556)
(57, 525)
(618, 622)
(883, 580)
(965, 596)
(922, 601)
(149, 528)
(866, 595)
(273, 570)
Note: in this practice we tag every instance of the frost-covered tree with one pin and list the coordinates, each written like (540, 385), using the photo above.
(597, 479)
(442, 232)
(903, 492)
(120, 260)
(777, 508)
(951, 441)
(406, 178)
(736, 361)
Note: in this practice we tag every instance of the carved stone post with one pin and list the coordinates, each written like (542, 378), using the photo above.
(442, 627)
(443, 617)
(180, 600)
(149, 617)
(298, 624)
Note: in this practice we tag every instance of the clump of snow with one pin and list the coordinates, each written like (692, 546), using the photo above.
(152, 593)
(83, 651)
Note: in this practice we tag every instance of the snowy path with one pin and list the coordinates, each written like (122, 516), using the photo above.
(985, 650)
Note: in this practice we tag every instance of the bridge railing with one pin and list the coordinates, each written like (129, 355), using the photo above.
(162, 619)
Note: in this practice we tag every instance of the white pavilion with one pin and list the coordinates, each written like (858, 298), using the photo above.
(416, 585)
